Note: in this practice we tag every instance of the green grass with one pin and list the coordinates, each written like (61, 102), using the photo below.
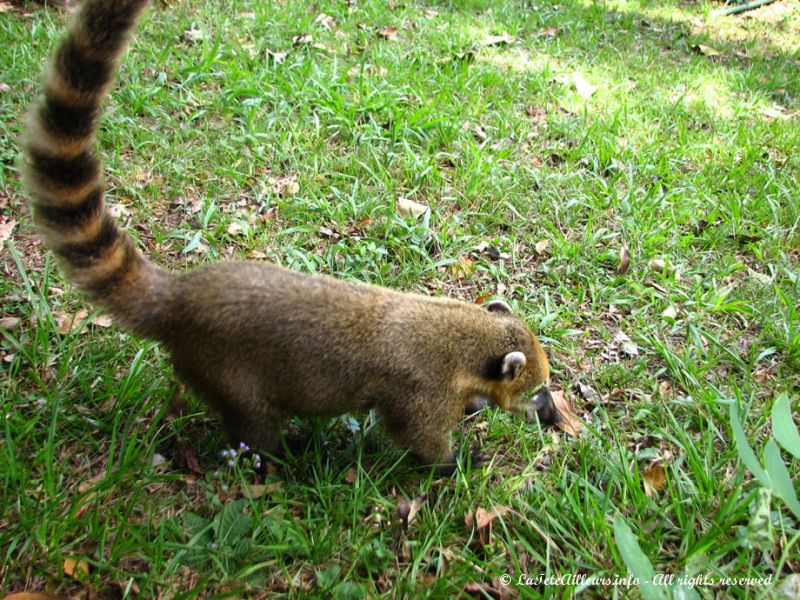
(684, 157)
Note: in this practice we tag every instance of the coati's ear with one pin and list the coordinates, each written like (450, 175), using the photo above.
(512, 365)
(498, 306)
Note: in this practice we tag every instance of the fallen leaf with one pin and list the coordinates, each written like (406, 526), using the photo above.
(463, 267)
(627, 345)
(254, 491)
(365, 69)
(654, 478)
(66, 323)
(568, 422)
(659, 265)
(101, 321)
(192, 36)
(479, 589)
(6, 228)
(407, 511)
(350, 476)
(587, 392)
(775, 112)
(9, 323)
(542, 246)
(388, 33)
(190, 459)
(430, 13)
(325, 21)
(583, 87)
(670, 313)
(34, 595)
(624, 259)
(538, 114)
(705, 50)
(548, 32)
(494, 40)
(4, 88)
(76, 569)
(235, 228)
(305, 38)
(408, 208)
(482, 520)
(286, 186)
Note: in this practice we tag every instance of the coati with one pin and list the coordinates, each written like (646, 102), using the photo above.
(259, 342)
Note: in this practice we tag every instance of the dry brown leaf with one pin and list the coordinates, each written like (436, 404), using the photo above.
(626, 344)
(480, 589)
(388, 33)
(705, 50)
(325, 21)
(542, 246)
(407, 511)
(66, 323)
(34, 595)
(366, 69)
(482, 520)
(235, 229)
(463, 267)
(568, 422)
(583, 87)
(190, 459)
(350, 476)
(409, 208)
(193, 36)
(494, 40)
(9, 323)
(654, 479)
(260, 489)
(286, 186)
(6, 228)
(670, 313)
(659, 265)
(305, 38)
(77, 569)
(101, 321)
(624, 259)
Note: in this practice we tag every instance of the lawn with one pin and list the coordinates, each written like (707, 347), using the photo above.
(625, 174)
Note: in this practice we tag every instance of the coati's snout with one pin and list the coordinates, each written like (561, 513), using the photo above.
(541, 405)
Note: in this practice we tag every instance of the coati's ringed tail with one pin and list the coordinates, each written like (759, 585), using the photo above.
(62, 173)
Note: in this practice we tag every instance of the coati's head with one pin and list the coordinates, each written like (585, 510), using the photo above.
(521, 374)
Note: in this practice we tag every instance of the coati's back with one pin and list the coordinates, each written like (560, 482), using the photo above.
(63, 176)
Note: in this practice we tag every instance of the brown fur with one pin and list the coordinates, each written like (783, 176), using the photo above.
(258, 342)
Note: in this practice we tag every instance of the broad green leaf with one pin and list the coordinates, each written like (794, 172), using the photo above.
(232, 523)
(783, 429)
(743, 448)
(781, 481)
(636, 561)
(759, 531)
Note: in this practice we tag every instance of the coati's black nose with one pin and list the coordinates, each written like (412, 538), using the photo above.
(542, 403)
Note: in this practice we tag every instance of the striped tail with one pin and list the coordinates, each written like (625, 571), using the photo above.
(62, 173)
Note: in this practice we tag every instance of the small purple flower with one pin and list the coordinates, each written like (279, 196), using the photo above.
(243, 447)
(231, 463)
